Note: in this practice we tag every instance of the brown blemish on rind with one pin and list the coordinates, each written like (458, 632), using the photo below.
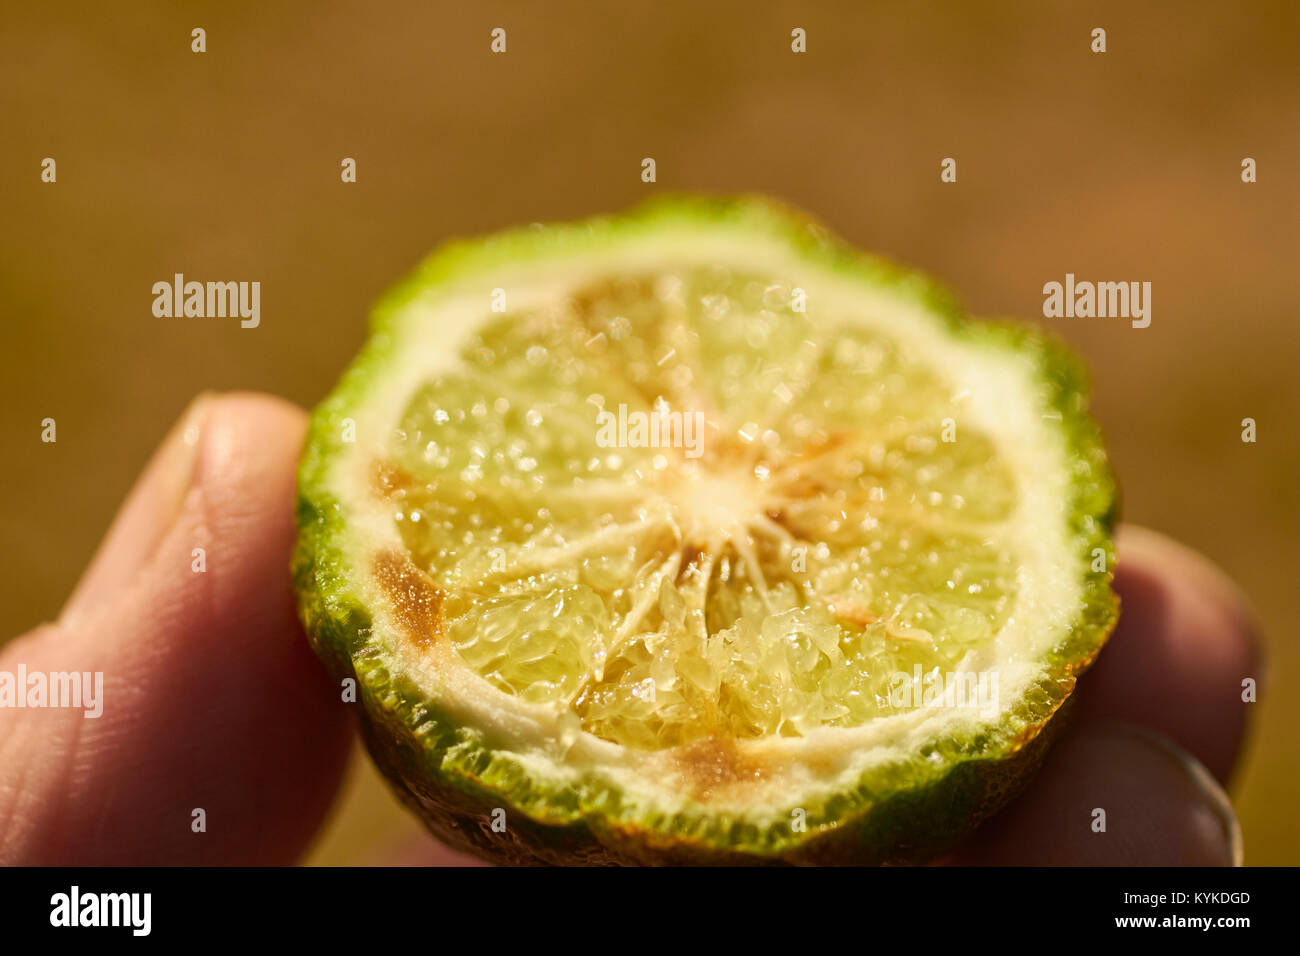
(417, 601)
(390, 482)
(713, 764)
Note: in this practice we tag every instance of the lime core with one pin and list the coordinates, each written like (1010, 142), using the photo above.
(829, 536)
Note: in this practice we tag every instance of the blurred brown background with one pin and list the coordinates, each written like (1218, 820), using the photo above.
(225, 165)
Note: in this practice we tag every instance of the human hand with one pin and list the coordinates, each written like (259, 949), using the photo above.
(213, 699)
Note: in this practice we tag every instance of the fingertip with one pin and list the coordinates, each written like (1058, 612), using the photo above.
(419, 848)
(1147, 557)
(1186, 658)
(1113, 794)
(212, 698)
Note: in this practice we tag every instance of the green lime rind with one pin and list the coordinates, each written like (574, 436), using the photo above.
(454, 777)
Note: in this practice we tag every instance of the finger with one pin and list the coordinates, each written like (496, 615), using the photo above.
(211, 698)
(1113, 794)
(1185, 643)
(418, 848)
(148, 512)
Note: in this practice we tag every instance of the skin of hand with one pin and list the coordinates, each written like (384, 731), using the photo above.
(213, 699)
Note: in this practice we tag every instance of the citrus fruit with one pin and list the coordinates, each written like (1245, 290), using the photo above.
(694, 535)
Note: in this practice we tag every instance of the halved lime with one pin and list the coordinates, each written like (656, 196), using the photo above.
(694, 535)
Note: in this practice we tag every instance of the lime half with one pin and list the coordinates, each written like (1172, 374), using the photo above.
(694, 535)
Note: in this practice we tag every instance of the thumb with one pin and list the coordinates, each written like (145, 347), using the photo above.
(206, 731)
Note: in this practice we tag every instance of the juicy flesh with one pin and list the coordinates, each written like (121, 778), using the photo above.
(832, 525)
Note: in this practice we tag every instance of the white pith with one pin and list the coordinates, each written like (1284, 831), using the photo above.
(1002, 395)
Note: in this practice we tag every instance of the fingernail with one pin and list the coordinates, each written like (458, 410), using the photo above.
(151, 508)
(1213, 798)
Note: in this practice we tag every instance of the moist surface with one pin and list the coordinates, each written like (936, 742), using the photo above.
(804, 517)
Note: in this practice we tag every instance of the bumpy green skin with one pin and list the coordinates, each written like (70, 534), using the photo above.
(453, 777)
